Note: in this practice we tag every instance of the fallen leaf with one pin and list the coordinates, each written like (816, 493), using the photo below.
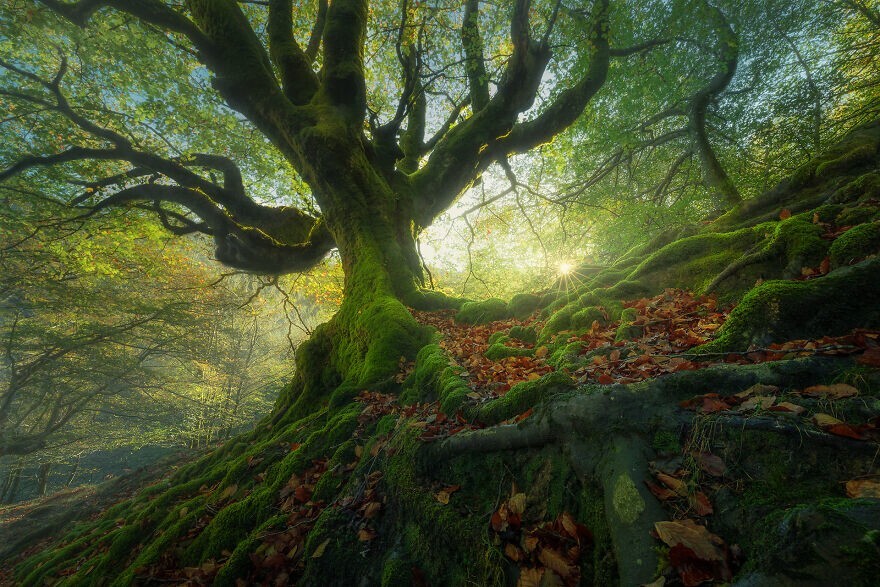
(870, 357)
(844, 429)
(700, 504)
(517, 503)
(787, 407)
(364, 535)
(825, 421)
(558, 563)
(784, 214)
(863, 488)
(319, 552)
(371, 509)
(835, 391)
(676, 485)
(710, 463)
(758, 389)
(688, 533)
(530, 577)
(513, 552)
(229, 491)
(541, 352)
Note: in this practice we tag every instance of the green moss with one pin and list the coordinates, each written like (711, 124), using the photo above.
(627, 289)
(801, 241)
(586, 317)
(559, 321)
(789, 310)
(499, 336)
(482, 312)
(626, 330)
(609, 277)
(525, 334)
(523, 396)
(856, 243)
(396, 573)
(666, 442)
(523, 305)
(499, 351)
(854, 158)
(854, 215)
(628, 504)
(865, 186)
(428, 299)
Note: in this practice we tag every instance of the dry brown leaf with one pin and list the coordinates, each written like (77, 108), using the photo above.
(569, 524)
(557, 562)
(530, 578)
(693, 536)
(517, 503)
(513, 552)
(371, 509)
(229, 491)
(364, 535)
(788, 407)
(863, 488)
(700, 504)
(758, 389)
(541, 352)
(710, 463)
(835, 391)
(676, 485)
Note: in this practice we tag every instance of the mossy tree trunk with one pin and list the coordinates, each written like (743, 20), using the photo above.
(376, 183)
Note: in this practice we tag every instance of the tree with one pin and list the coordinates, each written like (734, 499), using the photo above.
(377, 177)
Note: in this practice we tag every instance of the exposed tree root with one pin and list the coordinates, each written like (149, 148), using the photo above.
(606, 434)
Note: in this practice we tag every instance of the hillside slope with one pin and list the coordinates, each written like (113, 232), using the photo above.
(626, 427)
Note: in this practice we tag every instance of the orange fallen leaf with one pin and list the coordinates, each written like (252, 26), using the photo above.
(784, 214)
(676, 485)
(787, 407)
(704, 544)
(513, 552)
(371, 509)
(364, 535)
(862, 488)
(870, 357)
(846, 430)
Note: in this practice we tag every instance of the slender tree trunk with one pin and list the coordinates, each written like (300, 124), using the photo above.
(73, 473)
(10, 487)
(43, 479)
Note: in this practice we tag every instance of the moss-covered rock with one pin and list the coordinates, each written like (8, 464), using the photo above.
(788, 310)
(525, 334)
(856, 243)
(482, 312)
(523, 305)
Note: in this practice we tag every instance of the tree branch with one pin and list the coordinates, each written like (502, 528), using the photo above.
(297, 78)
(475, 66)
